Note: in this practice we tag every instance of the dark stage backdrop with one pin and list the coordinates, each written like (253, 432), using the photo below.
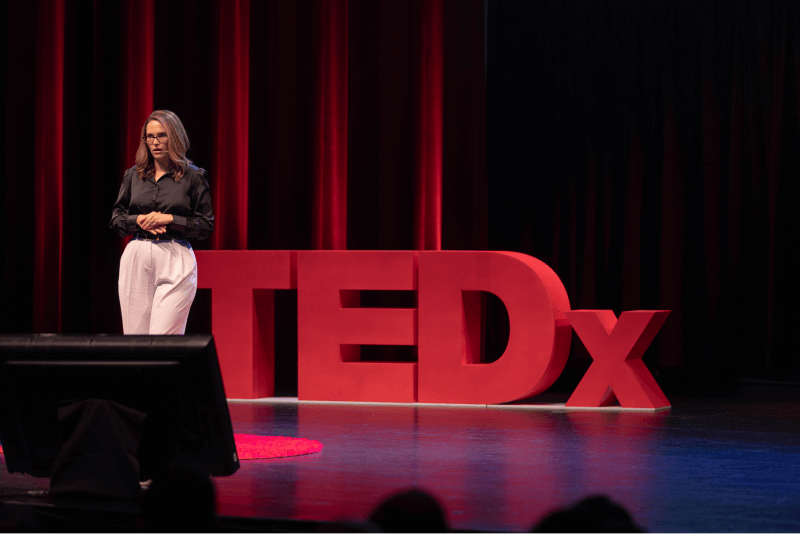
(648, 153)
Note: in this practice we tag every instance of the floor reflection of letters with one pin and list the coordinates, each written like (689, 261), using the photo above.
(491, 468)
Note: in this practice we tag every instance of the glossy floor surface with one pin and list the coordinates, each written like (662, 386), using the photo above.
(704, 466)
(695, 468)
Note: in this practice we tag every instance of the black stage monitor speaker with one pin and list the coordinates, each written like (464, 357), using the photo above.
(66, 398)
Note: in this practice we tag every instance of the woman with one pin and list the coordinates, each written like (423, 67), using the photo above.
(164, 200)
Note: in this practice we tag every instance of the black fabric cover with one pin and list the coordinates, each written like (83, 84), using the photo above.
(99, 453)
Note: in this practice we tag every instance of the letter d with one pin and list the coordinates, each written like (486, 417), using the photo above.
(539, 337)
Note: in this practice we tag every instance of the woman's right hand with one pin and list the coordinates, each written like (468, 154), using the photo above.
(155, 230)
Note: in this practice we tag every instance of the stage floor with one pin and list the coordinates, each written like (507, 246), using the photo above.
(706, 465)
(702, 466)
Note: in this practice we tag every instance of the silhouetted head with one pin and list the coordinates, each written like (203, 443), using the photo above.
(182, 499)
(410, 511)
(344, 526)
(593, 514)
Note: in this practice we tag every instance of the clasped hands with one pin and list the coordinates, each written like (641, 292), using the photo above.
(154, 222)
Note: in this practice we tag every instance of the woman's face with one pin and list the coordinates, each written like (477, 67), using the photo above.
(157, 140)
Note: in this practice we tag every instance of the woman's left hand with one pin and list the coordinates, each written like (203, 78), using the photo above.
(156, 219)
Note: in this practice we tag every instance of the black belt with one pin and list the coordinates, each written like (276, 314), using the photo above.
(155, 237)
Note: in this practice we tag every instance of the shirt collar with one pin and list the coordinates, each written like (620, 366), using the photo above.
(170, 173)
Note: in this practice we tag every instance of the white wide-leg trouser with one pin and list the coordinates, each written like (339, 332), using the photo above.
(157, 285)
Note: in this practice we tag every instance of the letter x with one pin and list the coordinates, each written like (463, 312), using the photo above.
(617, 346)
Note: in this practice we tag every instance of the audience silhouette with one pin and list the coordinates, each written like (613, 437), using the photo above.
(181, 499)
(593, 514)
(410, 511)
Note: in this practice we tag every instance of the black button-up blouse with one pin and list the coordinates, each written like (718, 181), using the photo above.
(188, 201)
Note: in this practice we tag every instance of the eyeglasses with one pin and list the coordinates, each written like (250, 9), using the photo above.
(150, 138)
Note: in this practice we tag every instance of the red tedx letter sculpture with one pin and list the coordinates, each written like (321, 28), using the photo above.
(242, 314)
(617, 346)
(539, 337)
(331, 326)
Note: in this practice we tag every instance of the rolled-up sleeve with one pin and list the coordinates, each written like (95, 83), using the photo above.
(122, 221)
(201, 223)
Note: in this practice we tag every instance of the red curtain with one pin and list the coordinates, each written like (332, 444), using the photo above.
(647, 156)
(230, 159)
(137, 89)
(465, 223)
(330, 129)
(48, 166)
(281, 163)
(429, 117)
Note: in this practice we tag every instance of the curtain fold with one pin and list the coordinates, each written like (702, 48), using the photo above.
(48, 166)
(230, 160)
(671, 240)
(137, 91)
(282, 116)
(428, 114)
(464, 218)
(330, 130)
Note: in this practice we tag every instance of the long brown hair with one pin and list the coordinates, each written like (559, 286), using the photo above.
(178, 145)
